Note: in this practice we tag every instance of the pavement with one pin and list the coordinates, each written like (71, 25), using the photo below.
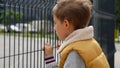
(117, 55)
(27, 60)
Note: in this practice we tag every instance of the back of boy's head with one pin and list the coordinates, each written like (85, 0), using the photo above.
(77, 12)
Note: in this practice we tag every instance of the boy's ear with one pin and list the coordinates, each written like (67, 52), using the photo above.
(66, 23)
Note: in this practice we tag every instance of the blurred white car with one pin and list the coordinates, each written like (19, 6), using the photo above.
(12, 28)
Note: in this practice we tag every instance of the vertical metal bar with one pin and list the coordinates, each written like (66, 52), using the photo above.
(44, 27)
(50, 26)
(28, 14)
(27, 37)
(19, 5)
(9, 9)
(10, 40)
(46, 21)
(38, 40)
(34, 37)
(45, 38)
(38, 34)
(23, 38)
(41, 35)
(14, 20)
(37, 29)
(27, 45)
(31, 42)
(4, 33)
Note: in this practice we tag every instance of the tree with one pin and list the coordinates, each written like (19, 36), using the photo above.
(9, 16)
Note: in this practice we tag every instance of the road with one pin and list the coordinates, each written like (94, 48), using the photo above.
(21, 52)
(117, 55)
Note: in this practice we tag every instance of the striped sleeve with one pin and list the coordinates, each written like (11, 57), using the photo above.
(50, 62)
(49, 59)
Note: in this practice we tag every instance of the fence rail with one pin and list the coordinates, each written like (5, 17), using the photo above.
(25, 26)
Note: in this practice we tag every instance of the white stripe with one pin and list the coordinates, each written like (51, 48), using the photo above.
(49, 60)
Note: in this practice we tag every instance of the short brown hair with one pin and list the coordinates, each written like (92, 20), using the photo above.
(77, 12)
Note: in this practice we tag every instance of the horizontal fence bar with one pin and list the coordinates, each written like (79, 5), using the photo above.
(22, 53)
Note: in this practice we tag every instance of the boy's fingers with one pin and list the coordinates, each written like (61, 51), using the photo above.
(57, 46)
(43, 48)
(48, 49)
(46, 44)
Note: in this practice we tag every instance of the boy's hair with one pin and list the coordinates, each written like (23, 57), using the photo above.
(77, 12)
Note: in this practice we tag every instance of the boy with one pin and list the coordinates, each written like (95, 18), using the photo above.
(79, 48)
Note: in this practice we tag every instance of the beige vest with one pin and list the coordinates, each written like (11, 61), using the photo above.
(90, 52)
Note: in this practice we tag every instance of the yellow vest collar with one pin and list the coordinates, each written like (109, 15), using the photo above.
(80, 34)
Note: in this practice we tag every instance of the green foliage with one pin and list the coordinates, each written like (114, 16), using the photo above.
(7, 17)
(1, 30)
(117, 11)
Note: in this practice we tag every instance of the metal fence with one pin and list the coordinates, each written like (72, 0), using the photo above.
(103, 21)
(25, 26)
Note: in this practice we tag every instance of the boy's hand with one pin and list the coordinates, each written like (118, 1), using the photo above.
(48, 50)
(57, 46)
